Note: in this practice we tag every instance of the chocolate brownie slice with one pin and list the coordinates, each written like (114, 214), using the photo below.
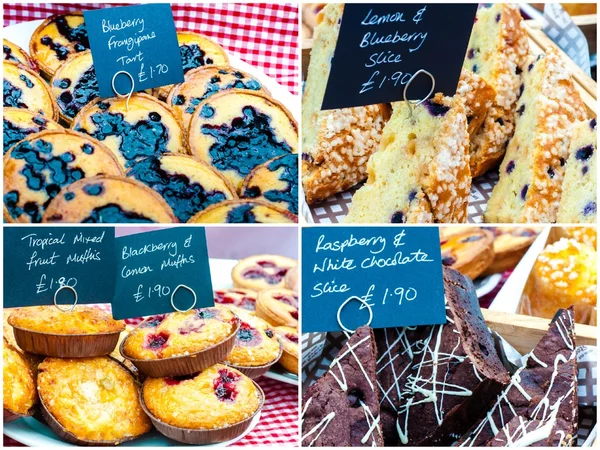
(434, 380)
(342, 408)
(542, 396)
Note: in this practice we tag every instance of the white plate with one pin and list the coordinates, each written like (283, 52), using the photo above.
(487, 284)
(21, 33)
(31, 432)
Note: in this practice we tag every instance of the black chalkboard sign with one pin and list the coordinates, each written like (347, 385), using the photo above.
(381, 46)
(40, 260)
(150, 266)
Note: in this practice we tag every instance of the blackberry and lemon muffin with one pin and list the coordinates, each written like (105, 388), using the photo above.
(260, 272)
(20, 123)
(289, 340)
(242, 298)
(25, 89)
(278, 306)
(244, 211)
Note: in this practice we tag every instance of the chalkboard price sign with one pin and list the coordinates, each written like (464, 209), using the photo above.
(381, 46)
(151, 267)
(388, 276)
(40, 260)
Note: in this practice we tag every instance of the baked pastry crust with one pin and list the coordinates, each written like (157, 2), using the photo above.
(469, 252)
(240, 297)
(510, 245)
(20, 123)
(95, 399)
(289, 340)
(25, 89)
(291, 279)
(50, 320)
(214, 398)
(260, 272)
(180, 333)
(15, 54)
(20, 393)
(278, 306)
(243, 211)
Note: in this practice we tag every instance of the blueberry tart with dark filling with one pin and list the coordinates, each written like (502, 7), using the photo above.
(20, 123)
(275, 182)
(243, 211)
(144, 127)
(201, 83)
(25, 89)
(188, 185)
(15, 54)
(56, 39)
(238, 130)
(196, 50)
(39, 167)
(74, 85)
(469, 251)
(108, 199)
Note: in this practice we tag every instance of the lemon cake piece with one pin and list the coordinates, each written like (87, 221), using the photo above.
(531, 174)
(578, 199)
(421, 171)
(497, 52)
(336, 144)
(478, 96)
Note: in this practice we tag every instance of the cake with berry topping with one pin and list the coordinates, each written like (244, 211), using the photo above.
(435, 380)
(336, 144)
(242, 298)
(108, 199)
(497, 52)
(15, 54)
(421, 171)
(470, 252)
(180, 333)
(289, 340)
(25, 89)
(478, 96)
(541, 396)
(532, 172)
(578, 198)
(217, 397)
(37, 168)
(342, 408)
(20, 123)
(278, 306)
(260, 272)
(256, 343)
(291, 279)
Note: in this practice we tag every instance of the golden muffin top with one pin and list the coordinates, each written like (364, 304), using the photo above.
(19, 381)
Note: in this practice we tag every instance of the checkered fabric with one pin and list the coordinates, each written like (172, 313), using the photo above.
(264, 35)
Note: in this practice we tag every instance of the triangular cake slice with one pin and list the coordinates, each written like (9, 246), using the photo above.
(342, 408)
(478, 96)
(434, 380)
(542, 396)
(421, 171)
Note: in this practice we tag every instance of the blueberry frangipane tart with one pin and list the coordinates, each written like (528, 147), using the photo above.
(243, 211)
(275, 182)
(201, 83)
(15, 54)
(25, 89)
(196, 51)
(74, 85)
(145, 128)
(37, 168)
(187, 184)
(19, 393)
(237, 130)
(20, 123)
(105, 199)
(260, 272)
(56, 39)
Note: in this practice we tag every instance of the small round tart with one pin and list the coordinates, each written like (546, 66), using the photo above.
(242, 298)
(275, 182)
(94, 400)
(238, 130)
(262, 272)
(56, 39)
(107, 199)
(147, 128)
(37, 168)
(255, 344)
(20, 123)
(470, 252)
(15, 54)
(291, 279)
(217, 397)
(51, 320)
(201, 83)
(74, 85)
(243, 211)
(196, 51)
(25, 89)
(180, 333)
(188, 185)
(278, 306)
(510, 244)
(289, 339)
(20, 394)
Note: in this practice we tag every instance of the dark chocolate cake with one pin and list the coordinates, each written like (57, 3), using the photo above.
(434, 380)
(539, 406)
(342, 408)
